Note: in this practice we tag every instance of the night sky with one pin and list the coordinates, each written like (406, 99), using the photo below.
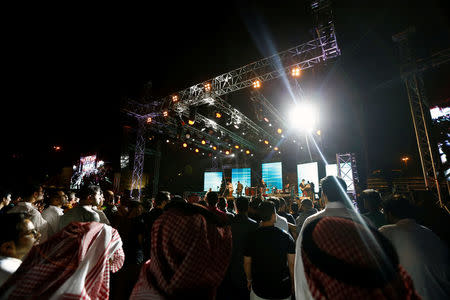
(67, 68)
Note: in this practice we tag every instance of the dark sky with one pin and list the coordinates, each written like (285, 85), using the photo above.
(68, 67)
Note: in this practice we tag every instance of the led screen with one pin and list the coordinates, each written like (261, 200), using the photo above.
(441, 122)
(243, 175)
(309, 172)
(331, 170)
(212, 181)
(272, 175)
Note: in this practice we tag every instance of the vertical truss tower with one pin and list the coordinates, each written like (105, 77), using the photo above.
(347, 170)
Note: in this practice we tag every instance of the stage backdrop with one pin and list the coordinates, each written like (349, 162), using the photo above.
(212, 181)
(309, 172)
(244, 176)
(272, 175)
(331, 170)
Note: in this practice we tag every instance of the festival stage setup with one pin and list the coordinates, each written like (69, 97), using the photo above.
(202, 119)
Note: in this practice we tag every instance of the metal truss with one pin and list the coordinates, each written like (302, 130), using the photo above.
(418, 104)
(138, 167)
(347, 170)
(305, 56)
(258, 97)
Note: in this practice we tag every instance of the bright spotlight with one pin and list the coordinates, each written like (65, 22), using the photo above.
(303, 117)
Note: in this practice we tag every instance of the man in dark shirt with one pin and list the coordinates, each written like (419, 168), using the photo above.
(283, 211)
(241, 227)
(212, 198)
(269, 258)
(161, 199)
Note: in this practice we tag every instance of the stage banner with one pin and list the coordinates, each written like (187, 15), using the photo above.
(272, 175)
(331, 170)
(212, 181)
(244, 176)
(309, 172)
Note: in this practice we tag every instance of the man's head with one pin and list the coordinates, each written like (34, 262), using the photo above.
(397, 207)
(18, 235)
(242, 205)
(303, 180)
(282, 204)
(230, 204)
(161, 199)
(90, 195)
(57, 198)
(371, 199)
(239, 181)
(6, 197)
(294, 207)
(334, 189)
(276, 203)
(33, 193)
(222, 204)
(306, 204)
(266, 211)
(109, 197)
(212, 198)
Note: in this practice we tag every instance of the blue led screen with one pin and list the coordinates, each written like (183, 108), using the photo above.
(272, 175)
(243, 175)
(212, 181)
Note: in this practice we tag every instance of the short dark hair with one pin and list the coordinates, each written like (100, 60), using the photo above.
(332, 187)
(222, 204)
(242, 204)
(29, 189)
(88, 190)
(161, 197)
(203, 202)
(255, 202)
(212, 198)
(294, 207)
(307, 203)
(265, 210)
(399, 206)
(9, 223)
(282, 202)
(276, 202)
(372, 196)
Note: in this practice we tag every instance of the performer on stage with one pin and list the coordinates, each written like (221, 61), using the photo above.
(302, 187)
(239, 188)
(263, 187)
(230, 189)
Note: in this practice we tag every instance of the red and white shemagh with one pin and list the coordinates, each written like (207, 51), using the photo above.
(189, 257)
(346, 247)
(73, 264)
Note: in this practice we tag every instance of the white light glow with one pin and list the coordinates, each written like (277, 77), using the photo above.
(303, 117)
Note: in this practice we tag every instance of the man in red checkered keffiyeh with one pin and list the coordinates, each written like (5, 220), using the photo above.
(190, 253)
(343, 259)
(73, 264)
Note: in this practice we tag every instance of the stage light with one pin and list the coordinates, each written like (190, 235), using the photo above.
(175, 98)
(266, 142)
(256, 84)
(207, 87)
(184, 145)
(303, 117)
(218, 115)
(247, 152)
(227, 152)
(319, 132)
(203, 142)
(196, 150)
(265, 119)
(237, 146)
(188, 136)
(295, 72)
(149, 120)
(165, 113)
(236, 126)
(191, 122)
(280, 131)
(276, 148)
(57, 148)
(214, 148)
(167, 141)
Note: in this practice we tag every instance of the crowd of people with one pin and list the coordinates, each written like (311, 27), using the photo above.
(93, 244)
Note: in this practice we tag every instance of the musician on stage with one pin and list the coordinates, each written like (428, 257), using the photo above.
(263, 187)
(302, 187)
(230, 189)
(239, 188)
